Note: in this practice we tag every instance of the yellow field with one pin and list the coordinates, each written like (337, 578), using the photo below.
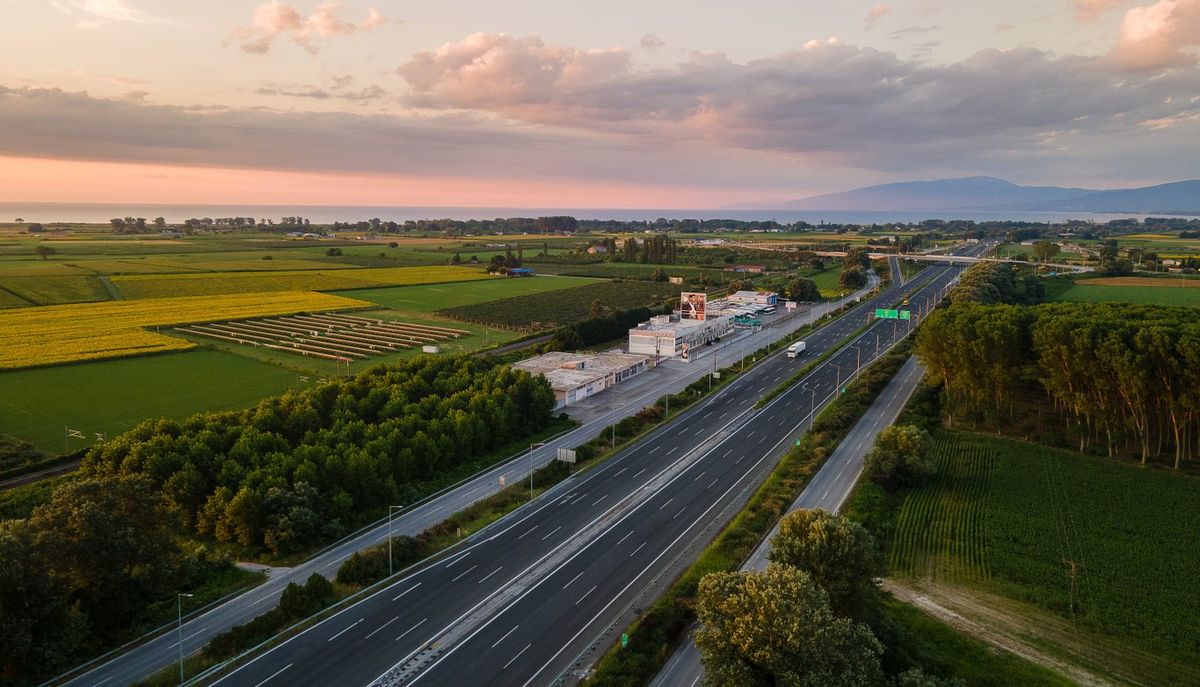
(89, 331)
(216, 283)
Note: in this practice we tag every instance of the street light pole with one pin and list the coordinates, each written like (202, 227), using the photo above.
(179, 609)
(391, 509)
(531, 447)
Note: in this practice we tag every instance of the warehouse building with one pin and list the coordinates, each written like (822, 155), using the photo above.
(668, 336)
(576, 376)
(754, 297)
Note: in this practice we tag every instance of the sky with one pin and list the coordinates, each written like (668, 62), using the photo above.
(622, 104)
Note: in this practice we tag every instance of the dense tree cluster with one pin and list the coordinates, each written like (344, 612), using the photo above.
(803, 290)
(310, 464)
(899, 457)
(1129, 373)
(995, 282)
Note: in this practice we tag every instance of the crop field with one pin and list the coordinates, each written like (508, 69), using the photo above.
(624, 270)
(431, 297)
(1006, 516)
(556, 308)
(215, 283)
(1087, 291)
(827, 281)
(88, 331)
(55, 290)
(111, 396)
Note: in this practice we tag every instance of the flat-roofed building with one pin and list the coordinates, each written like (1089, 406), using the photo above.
(668, 336)
(576, 376)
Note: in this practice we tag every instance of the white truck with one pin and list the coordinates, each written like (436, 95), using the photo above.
(795, 349)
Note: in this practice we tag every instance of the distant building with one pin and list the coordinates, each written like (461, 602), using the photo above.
(520, 272)
(576, 376)
(594, 250)
(668, 336)
(755, 297)
(747, 269)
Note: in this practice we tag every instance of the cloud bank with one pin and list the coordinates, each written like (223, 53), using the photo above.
(273, 20)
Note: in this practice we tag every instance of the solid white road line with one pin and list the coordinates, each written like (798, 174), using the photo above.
(406, 591)
(273, 675)
(380, 628)
(506, 634)
(411, 629)
(345, 630)
(460, 575)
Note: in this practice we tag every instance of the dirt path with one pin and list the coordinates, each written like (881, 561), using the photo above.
(1029, 632)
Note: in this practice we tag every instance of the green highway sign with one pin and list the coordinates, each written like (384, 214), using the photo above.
(904, 315)
(885, 314)
(624, 640)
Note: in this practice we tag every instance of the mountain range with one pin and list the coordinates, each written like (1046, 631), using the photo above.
(983, 193)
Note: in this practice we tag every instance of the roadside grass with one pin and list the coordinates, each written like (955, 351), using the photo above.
(1004, 516)
(112, 396)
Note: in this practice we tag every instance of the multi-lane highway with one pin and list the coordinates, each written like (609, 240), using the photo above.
(162, 649)
(828, 490)
(523, 603)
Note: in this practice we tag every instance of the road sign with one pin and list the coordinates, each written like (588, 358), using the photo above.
(501, 481)
(797, 442)
(905, 315)
(566, 455)
(624, 640)
(886, 314)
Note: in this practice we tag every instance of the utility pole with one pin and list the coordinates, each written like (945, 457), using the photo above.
(531, 447)
(391, 509)
(1073, 568)
(179, 609)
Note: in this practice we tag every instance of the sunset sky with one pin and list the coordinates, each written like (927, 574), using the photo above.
(654, 103)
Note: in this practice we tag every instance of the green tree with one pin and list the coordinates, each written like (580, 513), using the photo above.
(853, 278)
(839, 554)
(803, 290)
(899, 457)
(775, 628)
(44, 250)
(1044, 251)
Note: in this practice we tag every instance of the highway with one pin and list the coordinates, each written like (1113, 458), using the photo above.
(161, 648)
(828, 490)
(527, 598)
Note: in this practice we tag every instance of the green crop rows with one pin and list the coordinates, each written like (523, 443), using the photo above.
(564, 306)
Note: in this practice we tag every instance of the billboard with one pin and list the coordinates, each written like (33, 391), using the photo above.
(692, 305)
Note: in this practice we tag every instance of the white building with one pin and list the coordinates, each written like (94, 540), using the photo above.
(755, 297)
(667, 336)
(575, 376)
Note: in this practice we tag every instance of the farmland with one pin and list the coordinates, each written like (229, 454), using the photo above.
(1141, 290)
(1004, 517)
(71, 333)
(111, 396)
(431, 297)
(218, 283)
(564, 306)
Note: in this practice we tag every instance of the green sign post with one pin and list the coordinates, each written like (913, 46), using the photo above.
(886, 314)
(624, 640)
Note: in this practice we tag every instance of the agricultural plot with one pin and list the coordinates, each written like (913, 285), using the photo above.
(57, 334)
(55, 289)
(625, 270)
(216, 283)
(1142, 290)
(332, 336)
(109, 397)
(431, 297)
(1011, 518)
(566, 306)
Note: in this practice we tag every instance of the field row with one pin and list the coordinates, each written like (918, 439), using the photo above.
(89, 331)
(217, 283)
(565, 306)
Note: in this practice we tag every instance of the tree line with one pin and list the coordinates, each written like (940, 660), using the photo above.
(309, 465)
(1128, 374)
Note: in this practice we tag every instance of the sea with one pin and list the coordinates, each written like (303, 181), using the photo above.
(325, 214)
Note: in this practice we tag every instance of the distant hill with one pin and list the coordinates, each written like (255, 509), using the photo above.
(989, 194)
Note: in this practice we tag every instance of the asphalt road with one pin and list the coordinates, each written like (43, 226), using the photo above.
(828, 490)
(524, 601)
(161, 648)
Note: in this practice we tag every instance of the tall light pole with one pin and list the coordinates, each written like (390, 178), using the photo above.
(179, 609)
(837, 389)
(391, 509)
(858, 364)
(531, 447)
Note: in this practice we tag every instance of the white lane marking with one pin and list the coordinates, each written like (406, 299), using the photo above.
(739, 459)
(581, 497)
(714, 482)
(655, 449)
(490, 574)
(638, 473)
(455, 559)
(345, 630)
(679, 513)
(597, 502)
(252, 603)
(406, 591)
(188, 637)
(585, 594)
(673, 449)
(701, 431)
(639, 548)
(574, 578)
(527, 532)
(411, 629)
(273, 675)
(506, 634)
(552, 532)
(727, 452)
(460, 575)
(667, 503)
(518, 655)
(620, 471)
(627, 535)
(103, 681)
(699, 476)
(381, 627)
(751, 433)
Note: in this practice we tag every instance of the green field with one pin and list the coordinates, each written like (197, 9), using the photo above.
(1003, 516)
(1083, 292)
(431, 297)
(827, 281)
(114, 395)
(564, 306)
(55, 290)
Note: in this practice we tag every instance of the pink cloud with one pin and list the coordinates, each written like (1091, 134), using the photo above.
(1159, 36)
(876, 13)
(275, 19)
(1091, 10)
